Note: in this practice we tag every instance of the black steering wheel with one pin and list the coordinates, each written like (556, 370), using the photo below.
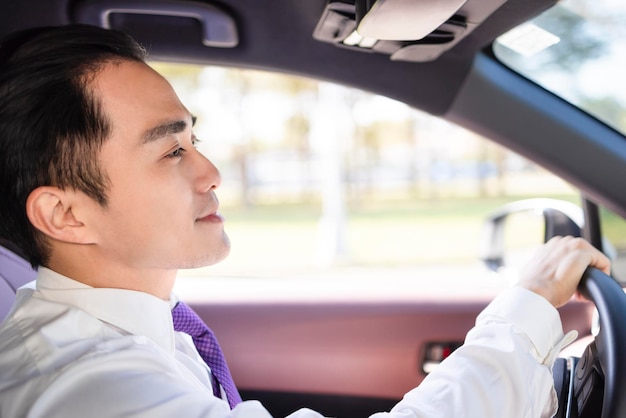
(597, 381)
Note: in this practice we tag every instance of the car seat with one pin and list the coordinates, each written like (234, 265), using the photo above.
(14, 273)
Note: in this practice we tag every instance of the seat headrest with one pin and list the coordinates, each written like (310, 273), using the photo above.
(14, 273)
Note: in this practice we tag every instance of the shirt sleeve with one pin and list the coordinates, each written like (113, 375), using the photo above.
(504, 369)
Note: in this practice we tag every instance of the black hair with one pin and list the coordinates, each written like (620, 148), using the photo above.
(52, 126)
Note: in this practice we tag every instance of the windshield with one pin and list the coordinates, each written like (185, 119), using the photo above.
(577, 51)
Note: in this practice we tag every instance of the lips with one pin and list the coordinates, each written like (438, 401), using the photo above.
(211, 214)
(212, 218)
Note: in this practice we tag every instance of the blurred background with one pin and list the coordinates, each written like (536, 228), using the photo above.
(323, 179)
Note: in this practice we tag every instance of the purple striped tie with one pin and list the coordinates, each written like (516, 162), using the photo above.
(187, 321)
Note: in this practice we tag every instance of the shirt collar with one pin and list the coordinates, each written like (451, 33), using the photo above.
(135, 312)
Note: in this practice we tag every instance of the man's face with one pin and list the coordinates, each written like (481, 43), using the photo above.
(161, 211)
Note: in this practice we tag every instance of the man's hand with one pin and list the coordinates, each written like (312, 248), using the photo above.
(556, 269)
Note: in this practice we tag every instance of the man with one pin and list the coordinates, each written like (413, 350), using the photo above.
(104, 191)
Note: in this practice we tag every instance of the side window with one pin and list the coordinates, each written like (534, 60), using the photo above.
(322, 180)
(614, 232)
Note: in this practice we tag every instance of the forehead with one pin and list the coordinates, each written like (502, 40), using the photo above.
(135, 98)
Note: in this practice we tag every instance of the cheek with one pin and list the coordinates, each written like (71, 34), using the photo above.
(142, 190)
(148, 203)
(155, 208)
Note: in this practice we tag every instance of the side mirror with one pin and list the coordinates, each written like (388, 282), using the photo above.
(512, 232)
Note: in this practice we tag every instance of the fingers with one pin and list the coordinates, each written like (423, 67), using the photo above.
(580, 254)
(555, 270)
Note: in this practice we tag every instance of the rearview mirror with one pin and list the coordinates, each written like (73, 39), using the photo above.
(514, 231)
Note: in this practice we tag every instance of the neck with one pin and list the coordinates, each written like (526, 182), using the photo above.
(99, 274)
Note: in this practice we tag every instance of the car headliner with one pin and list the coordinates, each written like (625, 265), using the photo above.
(465, 85)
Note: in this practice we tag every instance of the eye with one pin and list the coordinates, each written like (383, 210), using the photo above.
(177, 153)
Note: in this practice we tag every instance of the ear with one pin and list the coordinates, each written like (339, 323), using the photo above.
(52, 211)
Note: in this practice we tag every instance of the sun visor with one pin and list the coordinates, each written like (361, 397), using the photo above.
(405, 30)
(401, 20)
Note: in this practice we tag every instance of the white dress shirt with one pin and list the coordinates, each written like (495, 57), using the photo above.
(69, 350)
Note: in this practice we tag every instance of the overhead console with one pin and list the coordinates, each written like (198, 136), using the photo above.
(406, 30)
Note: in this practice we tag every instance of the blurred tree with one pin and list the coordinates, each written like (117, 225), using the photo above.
(609, 110)
(578, 43)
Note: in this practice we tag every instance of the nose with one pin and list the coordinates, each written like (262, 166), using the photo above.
(207, 176)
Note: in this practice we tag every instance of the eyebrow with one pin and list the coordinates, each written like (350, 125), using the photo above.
(165, 129)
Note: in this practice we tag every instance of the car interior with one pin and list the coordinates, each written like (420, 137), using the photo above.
(15, 272)
(351, 350)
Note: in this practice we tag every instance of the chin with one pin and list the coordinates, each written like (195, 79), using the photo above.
(213, 256)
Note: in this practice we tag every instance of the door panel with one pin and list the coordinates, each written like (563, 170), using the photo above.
(370, 349)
